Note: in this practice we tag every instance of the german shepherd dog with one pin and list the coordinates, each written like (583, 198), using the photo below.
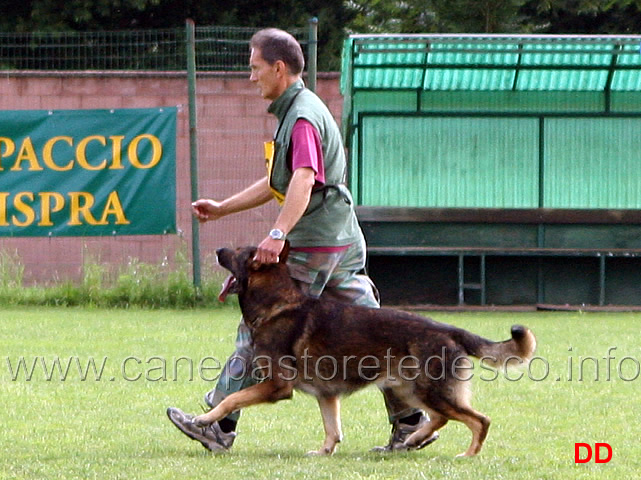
(329, 349)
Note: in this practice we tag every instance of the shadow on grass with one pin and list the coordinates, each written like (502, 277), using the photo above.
(290, 455)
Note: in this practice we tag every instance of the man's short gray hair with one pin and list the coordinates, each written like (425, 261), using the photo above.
(275, 44)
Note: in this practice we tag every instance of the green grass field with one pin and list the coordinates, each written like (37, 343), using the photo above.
(109, 422)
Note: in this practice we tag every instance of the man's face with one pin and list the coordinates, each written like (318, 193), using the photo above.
(264, 75)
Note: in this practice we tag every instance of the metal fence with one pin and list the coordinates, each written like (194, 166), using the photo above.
(130, 50)
(218, 48)
(49, 71)
(226, 48)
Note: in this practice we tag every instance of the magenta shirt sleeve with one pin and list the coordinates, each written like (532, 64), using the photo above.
(306, 150)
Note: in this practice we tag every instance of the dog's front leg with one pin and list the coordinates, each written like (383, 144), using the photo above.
(330, 408)
(267, 391)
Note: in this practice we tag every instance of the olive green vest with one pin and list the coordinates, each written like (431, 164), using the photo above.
(329, 219)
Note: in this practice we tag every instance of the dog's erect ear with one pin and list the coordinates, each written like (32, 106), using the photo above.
(254, 265)
(282, 258)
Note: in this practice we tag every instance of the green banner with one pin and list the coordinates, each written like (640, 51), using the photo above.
(88, 172)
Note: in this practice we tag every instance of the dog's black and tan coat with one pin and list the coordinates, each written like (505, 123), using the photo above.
(329, 349)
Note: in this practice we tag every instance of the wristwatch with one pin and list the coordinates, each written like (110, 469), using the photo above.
(277, 234)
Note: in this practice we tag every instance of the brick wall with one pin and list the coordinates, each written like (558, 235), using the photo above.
(232, 125)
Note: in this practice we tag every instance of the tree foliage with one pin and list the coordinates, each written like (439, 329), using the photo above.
(582, 16)
(336, 17)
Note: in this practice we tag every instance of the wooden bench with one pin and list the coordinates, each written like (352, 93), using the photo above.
(386, 218)
(500, 215)
(482, 253)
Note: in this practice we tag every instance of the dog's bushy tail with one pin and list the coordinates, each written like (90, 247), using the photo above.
(515, 351)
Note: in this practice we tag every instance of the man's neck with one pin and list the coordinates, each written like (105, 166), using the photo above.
(288, 81)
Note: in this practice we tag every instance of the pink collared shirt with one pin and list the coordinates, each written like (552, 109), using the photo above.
(306, 151)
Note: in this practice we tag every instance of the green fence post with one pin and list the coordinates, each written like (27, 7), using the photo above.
(312, 54)
(193, 148)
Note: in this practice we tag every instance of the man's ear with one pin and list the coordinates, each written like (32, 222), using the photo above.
(282, 258)
(281, 67)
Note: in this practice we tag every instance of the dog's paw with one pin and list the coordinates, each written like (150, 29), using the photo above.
(323, 452)
(465, 455)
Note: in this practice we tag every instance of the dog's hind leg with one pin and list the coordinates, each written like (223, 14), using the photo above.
(478, 423)
(436, 421)
(475, 421)
(330, 408)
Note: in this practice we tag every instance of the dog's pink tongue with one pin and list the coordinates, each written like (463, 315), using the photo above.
(227, 284)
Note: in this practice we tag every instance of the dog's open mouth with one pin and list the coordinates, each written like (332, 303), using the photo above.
(227, 288)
